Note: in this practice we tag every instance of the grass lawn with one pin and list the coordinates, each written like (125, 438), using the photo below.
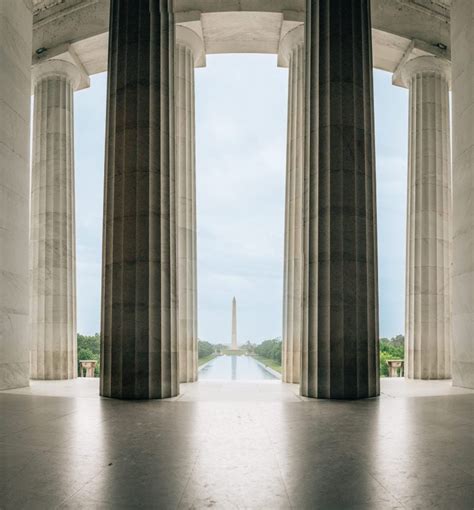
(268, 362)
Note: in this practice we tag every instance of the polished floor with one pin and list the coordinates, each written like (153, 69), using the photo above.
(237, 445)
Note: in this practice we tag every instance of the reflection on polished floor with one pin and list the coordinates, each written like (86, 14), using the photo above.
(237, 445)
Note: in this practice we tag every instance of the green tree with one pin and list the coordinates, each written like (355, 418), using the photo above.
(248, 346)
(393, 348)
(88, 347)
(270, 349)
(398, 341)
(89, 342)
(205, 349)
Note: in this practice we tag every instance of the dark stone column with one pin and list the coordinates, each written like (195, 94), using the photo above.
(340, 336)
(139, 321)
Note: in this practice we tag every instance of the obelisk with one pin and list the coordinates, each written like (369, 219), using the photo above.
(234, 325)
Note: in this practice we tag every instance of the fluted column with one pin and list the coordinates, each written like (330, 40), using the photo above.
(428, 296)
(139, 320)
(340, 324)
(292, 55)
(16, 30)
(189, 53)
(53, 351)
(462, 43)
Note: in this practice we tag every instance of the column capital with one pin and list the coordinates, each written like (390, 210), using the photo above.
(426, 64)
(291, 40)
(62, 68)
(189, 38)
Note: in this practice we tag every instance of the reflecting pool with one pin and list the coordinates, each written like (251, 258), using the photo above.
(234, 368)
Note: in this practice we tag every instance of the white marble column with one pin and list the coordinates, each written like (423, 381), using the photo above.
(15, 92)
(428, 260)
(189, 54)
(53, 353)
(462, 44)
(291, 55)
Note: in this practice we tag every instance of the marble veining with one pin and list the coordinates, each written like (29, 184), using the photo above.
(462, 35)
(53, 352)
(15, 57)
(428, 260)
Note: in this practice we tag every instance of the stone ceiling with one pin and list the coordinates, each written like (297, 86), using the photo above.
(41, 5)
(80, 27)
(439, 6)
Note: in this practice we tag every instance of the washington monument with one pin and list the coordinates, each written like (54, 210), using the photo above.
(234, 346)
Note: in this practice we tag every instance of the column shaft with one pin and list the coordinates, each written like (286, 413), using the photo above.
(293, 263)
(139, 316)
(53, 353)
(428, 297)
(186, 217)
(340, 325)
(462, 42)
(15, 91)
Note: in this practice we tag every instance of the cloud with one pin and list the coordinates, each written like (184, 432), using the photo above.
(241, 115)
(241, 106)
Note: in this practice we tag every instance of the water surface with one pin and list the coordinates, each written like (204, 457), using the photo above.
(234, 368)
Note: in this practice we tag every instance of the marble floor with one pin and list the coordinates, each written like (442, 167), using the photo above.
(237, 445)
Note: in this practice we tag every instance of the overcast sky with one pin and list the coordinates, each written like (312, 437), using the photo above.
(241, 115)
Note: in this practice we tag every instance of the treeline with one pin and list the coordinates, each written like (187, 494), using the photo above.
(270, 349)
(205, 349)
(88, 347)
(391, 348)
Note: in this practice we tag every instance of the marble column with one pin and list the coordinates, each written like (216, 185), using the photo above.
(340, 313)
(428, 261)
(15, 91)
(53, 350)
(462, 43)
(189, 52)
(139, 349)
(291, 55)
